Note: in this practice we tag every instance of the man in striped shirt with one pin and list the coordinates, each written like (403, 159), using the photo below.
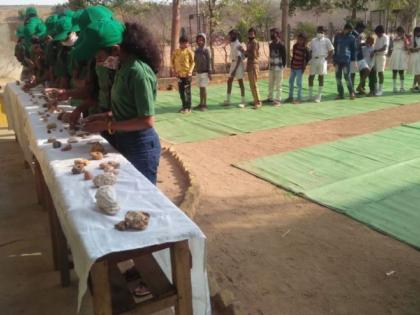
(300, 57)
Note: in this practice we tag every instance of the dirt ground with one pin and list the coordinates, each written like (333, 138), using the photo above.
(275, 252)
(281, 254)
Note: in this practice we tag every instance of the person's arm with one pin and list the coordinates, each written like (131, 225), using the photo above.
(353, 50)
(384, 47)
(208, 59)
(283, 55)
(330, 49)
(257, 50)
(192, 62)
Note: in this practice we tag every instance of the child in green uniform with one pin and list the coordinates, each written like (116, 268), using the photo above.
(133, 93)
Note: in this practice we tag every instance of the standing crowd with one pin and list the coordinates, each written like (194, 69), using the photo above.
(350, 51)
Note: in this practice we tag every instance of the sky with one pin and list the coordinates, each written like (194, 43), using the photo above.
(26, 2)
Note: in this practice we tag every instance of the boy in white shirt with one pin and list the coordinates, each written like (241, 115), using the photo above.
(321, 49)
(236, 68)
(380, 50)
(365, 67)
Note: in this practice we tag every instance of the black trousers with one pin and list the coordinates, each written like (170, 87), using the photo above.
(184, 87)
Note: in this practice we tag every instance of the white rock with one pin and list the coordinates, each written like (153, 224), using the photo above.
(105, 179)
(106, 200)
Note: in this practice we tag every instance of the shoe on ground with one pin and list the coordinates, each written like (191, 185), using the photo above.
(352, 96)
(203, 108)
(379, 93)
(288, 100)
(197, 107)
(395, 90)
(276, 103)
(268, 101)
(339, 97)
(317, 100)
(297, 102)
(402, 90)
(226, 103)
(185, 110)
(361, 90)
(241, 105)
(257, 105)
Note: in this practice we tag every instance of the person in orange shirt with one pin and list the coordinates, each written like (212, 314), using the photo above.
(183, 65)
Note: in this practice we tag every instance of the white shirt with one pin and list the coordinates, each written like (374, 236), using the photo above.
(320, 47)
(367, 51)
(234, 50)
(380, 42)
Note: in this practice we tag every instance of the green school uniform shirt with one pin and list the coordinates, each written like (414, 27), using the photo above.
(105, 79)
(133, 94)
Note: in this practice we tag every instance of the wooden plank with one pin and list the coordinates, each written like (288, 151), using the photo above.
(152, 306)
(38, 182)
(121, 297)
(102, 303)
(153, 276)
(62, 252)
(47, 203)
(116, 257)
(181, 275)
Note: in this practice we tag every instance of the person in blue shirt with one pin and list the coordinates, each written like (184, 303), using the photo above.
(344, 54)
(360, 42)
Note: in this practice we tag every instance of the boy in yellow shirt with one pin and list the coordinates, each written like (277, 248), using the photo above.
(183, 65)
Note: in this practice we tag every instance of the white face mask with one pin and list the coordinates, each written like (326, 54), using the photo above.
(111, 62)
(319, 35)
(70, 40)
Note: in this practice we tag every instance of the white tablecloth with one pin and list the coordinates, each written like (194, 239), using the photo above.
(89, 232)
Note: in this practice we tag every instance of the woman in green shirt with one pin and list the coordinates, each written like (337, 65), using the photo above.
(131, 119)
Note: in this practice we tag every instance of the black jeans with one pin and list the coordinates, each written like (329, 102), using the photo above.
(184, 87)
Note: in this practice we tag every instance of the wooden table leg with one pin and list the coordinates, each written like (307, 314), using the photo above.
(102, 303)
(38, 182)
(181, 275)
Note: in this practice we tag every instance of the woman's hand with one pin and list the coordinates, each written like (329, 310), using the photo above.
(59, 94)
(74, 116)
(102, 116)
(95, 126)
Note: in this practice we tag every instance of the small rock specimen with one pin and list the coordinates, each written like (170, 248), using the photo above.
(113, 164)
(56, 144)
(88, 175)
(78, 169)
(97, 147)
(96, 155)
(105, 179)
(106, 200)
(51, 140)
(72, 140)
(67, 147)
(51, 125)
(81, 161)
(134, 220)
(79, 166)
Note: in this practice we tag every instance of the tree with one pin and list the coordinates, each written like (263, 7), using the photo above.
(353, 5)
(176, 27)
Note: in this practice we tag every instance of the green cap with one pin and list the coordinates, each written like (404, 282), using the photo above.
(20, 31)
(51, 23)
(92, 14)
(97, 35)
(34, 27)
(63, 27)
(30, 11)
(68, 12)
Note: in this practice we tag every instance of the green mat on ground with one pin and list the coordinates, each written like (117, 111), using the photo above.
(373, 178)
(219, 121)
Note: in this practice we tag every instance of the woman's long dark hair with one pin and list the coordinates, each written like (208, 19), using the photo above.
(138, 41)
